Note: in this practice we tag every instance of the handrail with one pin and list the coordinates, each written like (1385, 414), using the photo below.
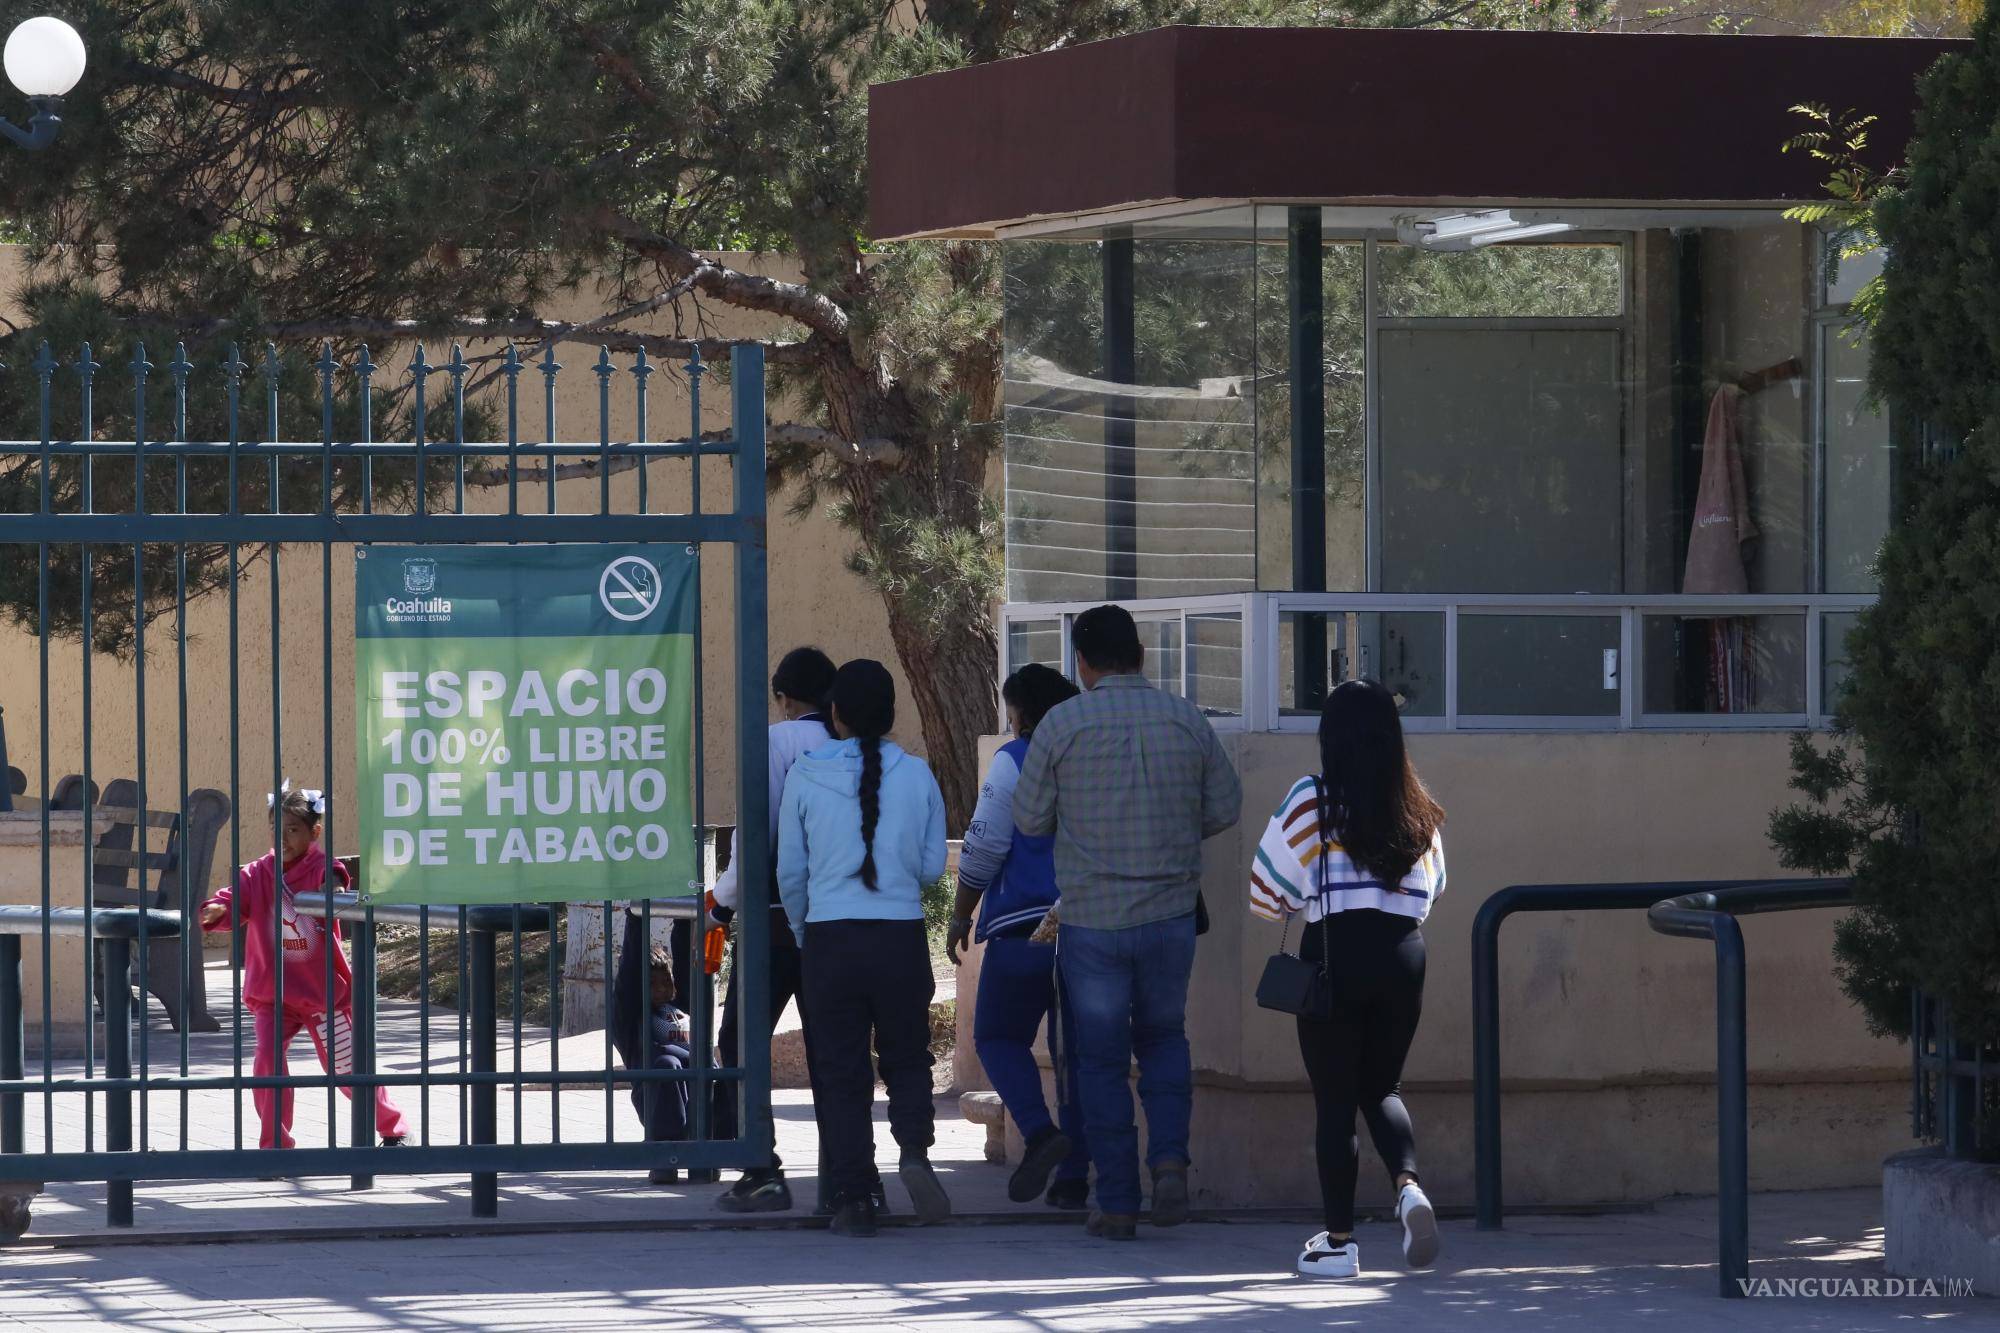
(1486, 997)
(1703, 909)
(1712, 915)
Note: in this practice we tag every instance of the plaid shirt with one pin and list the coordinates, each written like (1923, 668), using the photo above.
(1129, 779)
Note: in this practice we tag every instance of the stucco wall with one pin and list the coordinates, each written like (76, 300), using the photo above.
(813, 599)
(1607, 1029)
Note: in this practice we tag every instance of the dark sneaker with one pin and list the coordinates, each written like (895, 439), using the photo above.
(392, 1141)
(855, 1217)
(757, 1192)
(879, 1194)
(1044, 1154)
(1170, 1194)
(1069, 1195)
(926, 1192)
(1112, 1226)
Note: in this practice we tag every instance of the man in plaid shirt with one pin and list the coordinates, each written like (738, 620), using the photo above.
(1130, 780)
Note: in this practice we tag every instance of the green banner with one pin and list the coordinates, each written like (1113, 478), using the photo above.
(524, 719)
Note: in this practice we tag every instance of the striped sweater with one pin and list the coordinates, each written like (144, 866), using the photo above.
(1287, 875)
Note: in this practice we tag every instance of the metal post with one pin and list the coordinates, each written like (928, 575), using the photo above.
(13, 1042)
(1305, 282)
(753, 797)
(6, 778)
(1121, 458)
(1486, 1058)
(1732, 1093)
(485, 1048)
(361, 1112)
(118, 1065)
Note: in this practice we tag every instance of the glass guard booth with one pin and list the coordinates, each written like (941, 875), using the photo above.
(1594, 468)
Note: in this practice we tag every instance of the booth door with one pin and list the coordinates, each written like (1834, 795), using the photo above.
(1502, 472)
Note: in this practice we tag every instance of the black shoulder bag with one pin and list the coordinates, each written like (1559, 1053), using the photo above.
(1293, 984)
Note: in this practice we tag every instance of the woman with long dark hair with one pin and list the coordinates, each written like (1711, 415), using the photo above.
(1356, 849)
(798, 692)
(860, 833)
(1015, 874)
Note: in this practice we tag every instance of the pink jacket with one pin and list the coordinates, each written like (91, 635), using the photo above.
(304, 935)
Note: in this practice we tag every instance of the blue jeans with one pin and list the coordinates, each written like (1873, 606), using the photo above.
(1017, 990)
(1128, 990)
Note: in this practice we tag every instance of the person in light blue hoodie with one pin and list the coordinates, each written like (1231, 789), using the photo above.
(860, 833)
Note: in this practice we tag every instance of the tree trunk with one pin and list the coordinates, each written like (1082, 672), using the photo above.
(954, 679)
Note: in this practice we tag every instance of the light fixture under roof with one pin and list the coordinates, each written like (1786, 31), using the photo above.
(1474, 231)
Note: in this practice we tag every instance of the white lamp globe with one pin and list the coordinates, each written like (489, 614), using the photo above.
(44, 57)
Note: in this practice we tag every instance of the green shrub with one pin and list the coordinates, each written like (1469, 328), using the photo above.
(1907, 798)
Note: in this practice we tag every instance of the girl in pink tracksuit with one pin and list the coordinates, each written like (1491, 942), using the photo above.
(258, 897)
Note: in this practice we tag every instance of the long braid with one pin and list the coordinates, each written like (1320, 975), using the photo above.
(864, 710)
(871, 803)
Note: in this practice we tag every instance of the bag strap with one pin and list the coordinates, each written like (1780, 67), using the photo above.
(1325, 852)
(1319, 805)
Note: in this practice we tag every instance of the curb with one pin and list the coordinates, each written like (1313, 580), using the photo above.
(480, 1227)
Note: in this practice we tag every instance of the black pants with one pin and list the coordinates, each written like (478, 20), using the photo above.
(868, 979)
(782, 984)
(1354, 1056)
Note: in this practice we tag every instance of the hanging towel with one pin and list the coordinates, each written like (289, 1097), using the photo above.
(1722, 522)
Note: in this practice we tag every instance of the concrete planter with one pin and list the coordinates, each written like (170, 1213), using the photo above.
(1942, 1218)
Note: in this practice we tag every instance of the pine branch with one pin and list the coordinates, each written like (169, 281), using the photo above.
(304, 92)
(793, 300)
(883, 452)
(388, 329)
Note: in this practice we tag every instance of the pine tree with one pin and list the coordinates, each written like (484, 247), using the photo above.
(381, 169)
(1908, 797)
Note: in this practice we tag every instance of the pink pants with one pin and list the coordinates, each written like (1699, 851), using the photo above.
(274, 1105)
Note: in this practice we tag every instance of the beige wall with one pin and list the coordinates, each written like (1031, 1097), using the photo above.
(813, 599)
(1607, 1029)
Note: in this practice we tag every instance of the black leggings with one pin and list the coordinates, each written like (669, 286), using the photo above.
(1354, 1056)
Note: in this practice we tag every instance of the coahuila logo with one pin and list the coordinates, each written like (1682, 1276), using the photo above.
(419, 579)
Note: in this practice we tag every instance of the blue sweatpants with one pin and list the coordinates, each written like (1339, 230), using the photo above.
(1017, 991)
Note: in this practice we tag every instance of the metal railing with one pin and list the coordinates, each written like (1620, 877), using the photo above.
(1259, 661)
(1704, 909)
(1712, 916)
(1954, 1083)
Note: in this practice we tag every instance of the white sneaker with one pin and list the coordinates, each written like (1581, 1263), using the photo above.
(1321, 1259)
(1420, 1226)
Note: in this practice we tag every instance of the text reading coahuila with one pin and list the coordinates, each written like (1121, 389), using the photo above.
(415, 606)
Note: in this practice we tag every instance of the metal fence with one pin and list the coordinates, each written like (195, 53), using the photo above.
(1954, 1084)
(131, 556)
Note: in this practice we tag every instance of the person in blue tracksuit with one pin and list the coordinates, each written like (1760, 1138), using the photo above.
(1015, 874)
(860, 833)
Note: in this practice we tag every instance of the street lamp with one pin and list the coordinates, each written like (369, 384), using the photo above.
(44, 59)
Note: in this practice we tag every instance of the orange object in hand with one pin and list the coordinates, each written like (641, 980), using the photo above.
(713, 943)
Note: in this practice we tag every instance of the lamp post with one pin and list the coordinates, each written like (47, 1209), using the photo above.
(44, 59)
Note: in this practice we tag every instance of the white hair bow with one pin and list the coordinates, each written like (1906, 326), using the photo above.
(315, 798)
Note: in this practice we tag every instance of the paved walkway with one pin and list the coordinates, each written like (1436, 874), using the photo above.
(598, 1251)
(1643, 1270)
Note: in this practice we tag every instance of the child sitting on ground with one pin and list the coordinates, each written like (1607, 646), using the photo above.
(656, 1038)
(264, 905)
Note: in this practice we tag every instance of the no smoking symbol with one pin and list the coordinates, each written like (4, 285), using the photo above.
(629, 588)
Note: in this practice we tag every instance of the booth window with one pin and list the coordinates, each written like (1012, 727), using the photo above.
(1661, 410)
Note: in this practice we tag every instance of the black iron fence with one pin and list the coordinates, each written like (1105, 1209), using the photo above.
(131, 539)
